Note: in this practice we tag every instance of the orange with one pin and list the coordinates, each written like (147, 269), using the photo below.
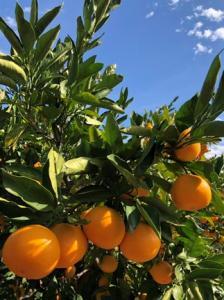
(70, 272)
(191, 192)
(162, 272)
(141, 244)
(73, 244)
(106, 227)
(31, 252)
(103, 281)
(37, 165)
(140, 192)
(149, 125)
(108, 264)
(143, 296)
(187, 152)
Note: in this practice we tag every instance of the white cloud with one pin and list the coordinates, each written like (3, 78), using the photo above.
(150, 15)
(27, 9)
(190, 17)
(213, 35)
(156, 4)
(199, 49)
(196, 28)
(174, 2)
(178, 30)
(212, 14)
(11, 21)
(215, 150)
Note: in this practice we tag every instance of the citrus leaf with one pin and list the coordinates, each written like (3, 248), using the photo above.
(46, 19)
(11, 37)
(208, 87)
(7, 81)
(30, 191)
(44, 43)
(13, 210)
(34, 12)
(12, 70)
(112, 134)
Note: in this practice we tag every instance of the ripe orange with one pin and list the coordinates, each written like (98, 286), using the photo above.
(37, 165)
(31, 252)
(106, 227)
(162, 272)
(73, 244)
(140, 245)
(187, 152)
(191, 193)
(140, 192)
(108, 264)
(103, 281)
(149, 125)
(70, 272)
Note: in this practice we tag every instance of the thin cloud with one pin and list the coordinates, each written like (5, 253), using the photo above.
(201, 49)
(215, 150)
(150, 15)
(174, 2)
(212, 35)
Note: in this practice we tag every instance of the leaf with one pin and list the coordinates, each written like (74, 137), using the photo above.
(109, 82)
(167, 295)
(14, 210)
(25, 29)
(151, 216)
(138, 131)
(46, 19)
(44, 44)
(87, 98)
(217, 202)
(30, 191)
(185, 116)
(208, 87)
(133, 217)
(212, 129)
(11, 37)
(112, 134)
(206, 290)
(123, 168)
(81, 165)
(87, 69)
(56, 164)
(13, 136)
(23, 170)
(12, 70)
(7, 81)
(219, 163)
(146, 159)
(162, 183)
(177, 292)
(34, 12)
(73, 68)
(205, 273)
(91, 194)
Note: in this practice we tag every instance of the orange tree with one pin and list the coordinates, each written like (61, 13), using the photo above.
(96, 205)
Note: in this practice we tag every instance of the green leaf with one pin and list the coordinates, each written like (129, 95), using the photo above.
(151, 216)
(55, 173)
(208, 87)
(219, 258)
(133, 216)
(146, 159)
(177, 292)
(112, 134)
(212, 129)
(138, 131)
(34, 12)
(167, 295)
(206, 290)
(123, 168)
(12, 70)
(14, 210)
(73, 68)
(218, 103)
(81, 165)
(11, 37)
(87, 69)
(25, 29)
(217, 202)
(162, 183)
(205, 273)
(91, 194)
(44, 43)
(13, 136)
(88, 98)
(109, 82)
(46, 19)
(26, 171)
(30, 191)
(7, 81)
(185, 116)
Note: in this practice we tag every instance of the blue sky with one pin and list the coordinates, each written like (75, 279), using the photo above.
(162, 47)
